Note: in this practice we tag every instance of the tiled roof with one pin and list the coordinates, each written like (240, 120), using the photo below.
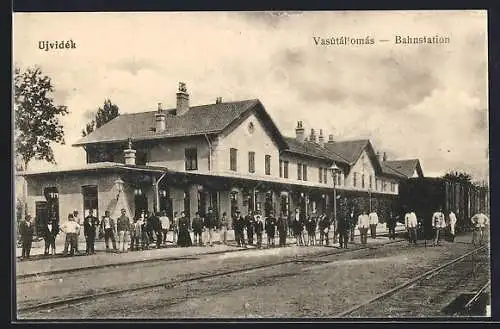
(349, 150)
(312, 149)
(95, 166)
(198, 120)
(402, 168)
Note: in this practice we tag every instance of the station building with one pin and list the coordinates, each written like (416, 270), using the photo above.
(224, 155)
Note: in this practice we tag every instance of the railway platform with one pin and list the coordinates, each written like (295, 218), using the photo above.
(101, 259)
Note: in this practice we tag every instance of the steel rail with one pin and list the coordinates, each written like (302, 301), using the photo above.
(407, 283)
(477, 295)
(22, 277)
(292, 259)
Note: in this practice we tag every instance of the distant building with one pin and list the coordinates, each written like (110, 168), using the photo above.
(225, 155)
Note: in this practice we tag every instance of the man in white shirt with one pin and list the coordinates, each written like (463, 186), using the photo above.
(479, 221)
(373, 219)
(411, 226)
(453, 222)
(363, 224)
(165, 226)
(437, 225)
(72, 229)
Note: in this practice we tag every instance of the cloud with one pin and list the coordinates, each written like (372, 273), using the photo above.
(415, 101)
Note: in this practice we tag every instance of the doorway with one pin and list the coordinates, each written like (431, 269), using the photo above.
(41, 215)
(141, 203)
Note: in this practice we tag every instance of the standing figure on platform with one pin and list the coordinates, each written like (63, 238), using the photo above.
(175, 228)
(90, 224)
(373, 218)
(224, 225)
(197, 229)
(78, 221)
(363, 224)
(311, 229)
(165, 226)
(239, 227)
(156, 229)
(136, 233)
(281, 224)
(259, 228)
(123, 228)
(453, 222)
(50, 231)
(297, 228)
(411, 223)
(144, 230)
(324, 228)
(352, 225)
(72, 229)
(210, 224)
(184, 227)
(26, 230)
(108, 225)
(344, 223)
(249, 223)
(437, 224)
(270, 229)
(391, 225)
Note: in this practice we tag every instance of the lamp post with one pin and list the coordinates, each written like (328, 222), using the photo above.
(334, 170)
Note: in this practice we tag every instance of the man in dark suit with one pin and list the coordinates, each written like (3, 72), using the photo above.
(26, 230)
(50, 231)
(90, 224)
(250, 223)
(344, 223)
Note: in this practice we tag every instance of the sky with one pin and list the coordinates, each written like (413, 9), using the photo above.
(426, 101)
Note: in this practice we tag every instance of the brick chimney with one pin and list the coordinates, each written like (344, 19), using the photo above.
(330, 139)
(160, 119)
(218, 100)
(321, 138)
(385, 157)
(129, 154)
(312, 137)
(182, 99)
(299, 132)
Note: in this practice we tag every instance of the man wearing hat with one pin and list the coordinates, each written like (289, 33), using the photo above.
(26, 231)
(123, 227)
(238, 226)
(210, 224)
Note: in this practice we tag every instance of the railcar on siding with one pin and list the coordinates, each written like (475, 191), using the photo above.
(427, 195)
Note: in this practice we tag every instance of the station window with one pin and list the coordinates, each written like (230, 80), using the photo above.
(233, 156)
(320, 172)
(191, 158)
(251, 162)
(90, 199)
(299, 171)
(304, 172)
(285, 169)
(268, 164)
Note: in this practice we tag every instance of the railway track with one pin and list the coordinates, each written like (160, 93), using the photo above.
(294, 259)
(49, 275)
(424, 280)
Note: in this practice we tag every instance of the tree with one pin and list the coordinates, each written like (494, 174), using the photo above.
(36, 120)
(104, 114)
(461, 177)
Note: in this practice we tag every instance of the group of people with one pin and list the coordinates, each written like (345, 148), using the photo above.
(148, 228)
(441, 225)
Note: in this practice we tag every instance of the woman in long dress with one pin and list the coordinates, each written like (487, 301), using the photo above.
(184, 237)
